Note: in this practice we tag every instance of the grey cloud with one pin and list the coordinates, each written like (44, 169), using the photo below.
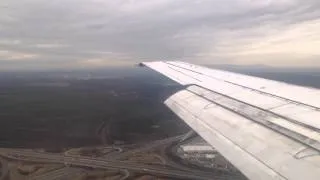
(183, 30)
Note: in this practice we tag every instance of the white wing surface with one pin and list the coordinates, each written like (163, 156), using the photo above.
(267, 129)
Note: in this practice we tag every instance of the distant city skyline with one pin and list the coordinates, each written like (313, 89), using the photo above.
(78, 34)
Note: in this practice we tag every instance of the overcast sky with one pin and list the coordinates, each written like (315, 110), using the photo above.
(42, 34)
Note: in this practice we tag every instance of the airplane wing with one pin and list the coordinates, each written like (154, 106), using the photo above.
(267, 129)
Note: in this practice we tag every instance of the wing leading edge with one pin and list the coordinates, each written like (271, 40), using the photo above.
(267, 129)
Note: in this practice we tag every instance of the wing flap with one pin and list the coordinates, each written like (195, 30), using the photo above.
(254, 148)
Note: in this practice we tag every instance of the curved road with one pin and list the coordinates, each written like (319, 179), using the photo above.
(63, 173)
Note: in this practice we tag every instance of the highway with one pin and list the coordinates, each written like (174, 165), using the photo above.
(30, 156)
(114, 150)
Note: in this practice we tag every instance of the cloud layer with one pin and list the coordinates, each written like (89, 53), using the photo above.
(38, 34)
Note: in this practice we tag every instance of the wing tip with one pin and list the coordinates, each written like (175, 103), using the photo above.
(141, 64)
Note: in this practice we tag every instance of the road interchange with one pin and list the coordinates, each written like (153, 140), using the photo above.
(82, 161)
